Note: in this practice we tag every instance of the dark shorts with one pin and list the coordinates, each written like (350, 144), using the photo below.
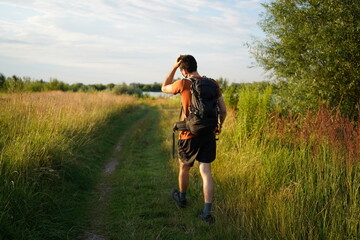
(200, 148)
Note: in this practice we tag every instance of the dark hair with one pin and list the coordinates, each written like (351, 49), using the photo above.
(188, 63)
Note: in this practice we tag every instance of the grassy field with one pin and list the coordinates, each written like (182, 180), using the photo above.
(52, 146)
(283, 176)
(277, 175)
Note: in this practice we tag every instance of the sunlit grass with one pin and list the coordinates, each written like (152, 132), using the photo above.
(278, 176)
(292, 177)
(282, 176)
(43, 137)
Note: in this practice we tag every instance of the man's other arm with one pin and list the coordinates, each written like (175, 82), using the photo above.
(222, 110)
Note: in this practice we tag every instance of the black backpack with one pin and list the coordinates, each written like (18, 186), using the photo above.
(203, 114)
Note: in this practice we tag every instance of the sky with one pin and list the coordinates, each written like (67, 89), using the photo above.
(127, 41)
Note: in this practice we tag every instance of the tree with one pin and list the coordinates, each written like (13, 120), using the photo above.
(120, 89)
(2, 80)
(156, 87)
(34, 86)
(14, 84)
(110, 86)
(313, 47)
(76, 87)
(97, 87)
(55, 85)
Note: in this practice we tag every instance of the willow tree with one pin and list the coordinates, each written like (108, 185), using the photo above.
(312, 48)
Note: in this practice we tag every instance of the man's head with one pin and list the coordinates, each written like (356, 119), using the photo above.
(188, 63)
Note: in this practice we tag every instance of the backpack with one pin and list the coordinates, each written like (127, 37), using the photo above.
(203, 114)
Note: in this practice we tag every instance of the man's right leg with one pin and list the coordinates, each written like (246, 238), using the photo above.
(208, 183)
(208, 189)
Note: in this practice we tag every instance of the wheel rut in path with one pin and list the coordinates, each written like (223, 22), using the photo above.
(104, 188)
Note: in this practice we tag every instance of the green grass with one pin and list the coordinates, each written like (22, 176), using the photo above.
(141, 206)
(289, 177)
(272, 180)
(52, 148)
(277, 176)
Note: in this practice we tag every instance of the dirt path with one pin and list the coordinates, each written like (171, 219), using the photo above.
(104, 187)
(133, 198)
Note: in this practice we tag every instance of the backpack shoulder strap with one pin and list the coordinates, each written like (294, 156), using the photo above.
(181, 110)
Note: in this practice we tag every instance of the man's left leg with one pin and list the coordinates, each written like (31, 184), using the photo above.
(180, 196)
(183, 176)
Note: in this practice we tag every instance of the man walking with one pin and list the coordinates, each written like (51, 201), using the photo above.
(201, 148)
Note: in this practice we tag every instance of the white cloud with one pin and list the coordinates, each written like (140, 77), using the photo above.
(120, 37)
(248, 4)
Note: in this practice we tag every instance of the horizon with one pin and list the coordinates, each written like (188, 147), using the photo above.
(138, 41)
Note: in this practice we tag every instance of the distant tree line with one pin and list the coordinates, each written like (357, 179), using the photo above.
(26, 84)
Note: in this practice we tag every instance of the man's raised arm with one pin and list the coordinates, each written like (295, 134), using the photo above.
(167, 84)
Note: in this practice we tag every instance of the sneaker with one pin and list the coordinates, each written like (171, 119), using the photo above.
(176, 196)
(207, 218)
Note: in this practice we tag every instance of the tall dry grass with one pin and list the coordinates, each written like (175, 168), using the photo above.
(42, 135)
(288, 177)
